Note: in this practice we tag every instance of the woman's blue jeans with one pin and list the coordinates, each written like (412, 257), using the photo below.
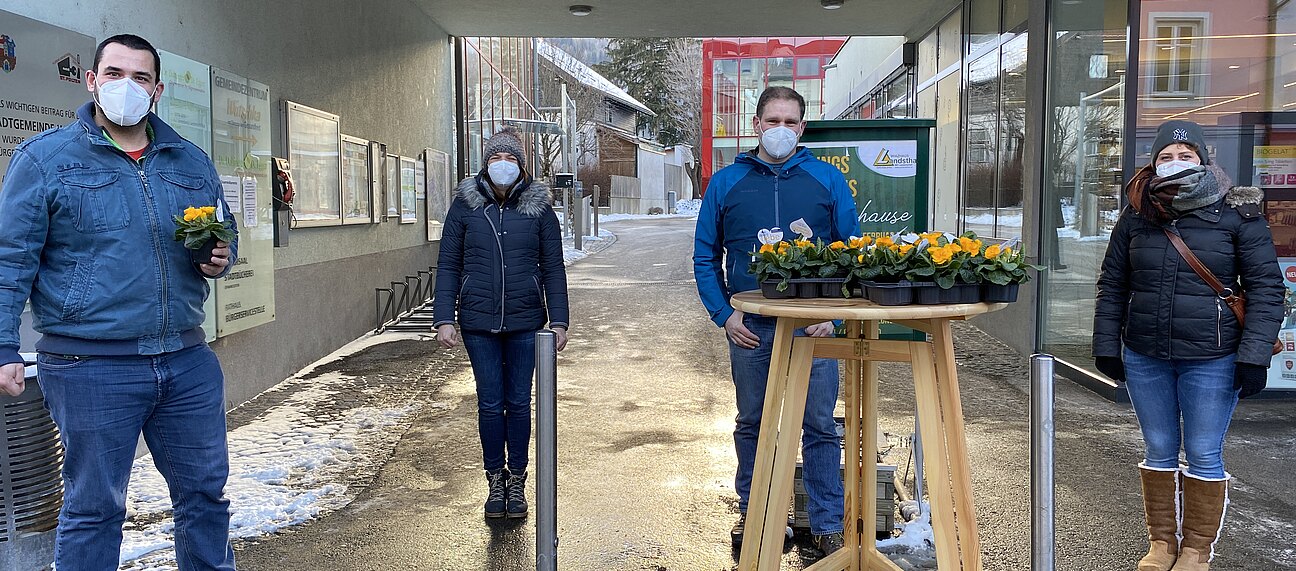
(821, 450)
(1197, 396)
(101, 405)
(503, 364)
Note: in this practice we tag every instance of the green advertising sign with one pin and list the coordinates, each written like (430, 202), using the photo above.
(885, 164)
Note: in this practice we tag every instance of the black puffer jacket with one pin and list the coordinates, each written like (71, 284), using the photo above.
(501, 267)
(1153, 301)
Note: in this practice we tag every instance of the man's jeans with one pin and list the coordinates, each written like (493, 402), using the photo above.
(1201, 392)
(101, 404)
(820, 449)
(503, 364)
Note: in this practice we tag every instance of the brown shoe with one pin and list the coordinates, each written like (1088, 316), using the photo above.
(1161, 509)
(829, 543)
(1204, 504)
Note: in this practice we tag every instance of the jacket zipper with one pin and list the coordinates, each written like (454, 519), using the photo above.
(776, 202)
(1173, 280)
(500, 246)
(157, 247)
(1219, 316)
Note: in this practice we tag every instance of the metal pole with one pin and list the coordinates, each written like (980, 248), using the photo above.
(1042, 541)
(546, 358)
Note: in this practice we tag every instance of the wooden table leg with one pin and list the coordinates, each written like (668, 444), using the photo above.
(785, 453)
(775, 389)
(851, 481)
(960, 469)
(935, 457)
(868, 454)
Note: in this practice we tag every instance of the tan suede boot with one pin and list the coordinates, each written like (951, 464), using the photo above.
(1161, 508)
(1204, 504)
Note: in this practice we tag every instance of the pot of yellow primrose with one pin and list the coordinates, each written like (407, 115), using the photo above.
(1003, 269)
(199, 230)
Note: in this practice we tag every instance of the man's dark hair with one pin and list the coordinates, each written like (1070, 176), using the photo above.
(133, 42)
(779, 92)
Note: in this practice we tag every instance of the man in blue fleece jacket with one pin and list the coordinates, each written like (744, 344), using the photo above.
(772, 186)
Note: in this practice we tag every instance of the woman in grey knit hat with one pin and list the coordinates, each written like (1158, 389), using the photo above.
(500, 276)
(1184, 355)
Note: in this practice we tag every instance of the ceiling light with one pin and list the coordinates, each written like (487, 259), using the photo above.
(831, 4)
(1234, 66)
(580, 9)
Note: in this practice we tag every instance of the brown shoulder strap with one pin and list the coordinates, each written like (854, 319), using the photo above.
(1196, 264)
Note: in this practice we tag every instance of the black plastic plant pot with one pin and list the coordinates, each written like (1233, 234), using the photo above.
(900, 293)
(203, 255)
(927, 293)
(807, 288)
(769, 289)
(961, 293)
(831, 287)
(991, 293)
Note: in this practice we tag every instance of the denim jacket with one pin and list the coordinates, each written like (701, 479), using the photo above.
(87, 233)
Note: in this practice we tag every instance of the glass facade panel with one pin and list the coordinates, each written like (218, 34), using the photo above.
(1082, 169)
(983, 25)
(1012, 138)
(949, 42)
(981, 144)
(497, 82)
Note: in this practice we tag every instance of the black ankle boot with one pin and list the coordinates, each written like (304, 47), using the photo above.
(517, 504)
(497, 489)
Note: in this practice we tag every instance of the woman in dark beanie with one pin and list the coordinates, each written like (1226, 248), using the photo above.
(1183, 354)
(500, 273)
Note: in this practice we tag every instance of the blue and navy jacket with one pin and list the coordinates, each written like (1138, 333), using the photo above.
(500, 267)
(87, 233)
(747, 196)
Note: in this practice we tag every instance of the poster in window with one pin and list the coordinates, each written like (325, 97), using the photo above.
(357, 206)
(378, 180)
(315, 153)
(440, 190)
(393, 187)
(420, 179)
(408, 191)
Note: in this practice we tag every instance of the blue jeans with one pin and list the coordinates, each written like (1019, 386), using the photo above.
(821, 451)
(503, 364)
(1198, 393)
(101, 404)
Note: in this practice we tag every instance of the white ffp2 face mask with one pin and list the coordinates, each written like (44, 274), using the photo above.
(1173, 168)
(503, 173)
(779, 142)
(123, 101)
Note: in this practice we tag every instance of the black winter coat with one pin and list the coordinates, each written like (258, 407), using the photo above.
(1153, 301)
(501, 266)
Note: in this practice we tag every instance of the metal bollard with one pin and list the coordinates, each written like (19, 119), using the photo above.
(546, 360)
(1042, 540)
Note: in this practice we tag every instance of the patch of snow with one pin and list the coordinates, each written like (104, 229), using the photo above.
(689, 207)
(571, 254)
(915, 536)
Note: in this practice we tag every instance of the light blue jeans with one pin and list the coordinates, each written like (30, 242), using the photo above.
(1182, 402)
(101, 405)
(821, 451)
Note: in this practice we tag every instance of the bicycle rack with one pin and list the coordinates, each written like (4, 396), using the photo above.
(407, 304)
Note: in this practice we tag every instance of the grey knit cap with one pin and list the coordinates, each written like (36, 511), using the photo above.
(506, 140)
(1186, 132)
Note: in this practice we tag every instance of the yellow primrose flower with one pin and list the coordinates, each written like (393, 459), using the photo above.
(802, 243)
(838, 245)
(905, 248)
(992, 252)
(783, 247)
(954, 248)
(209, 210)
(189, 216)
(941, 255)
(885, 242)
(767, 249)
(861, 242)
(970, 246)
(1007, 252)
(932, 237)
(860, 258)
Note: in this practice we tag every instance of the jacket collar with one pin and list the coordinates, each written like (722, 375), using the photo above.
(801, 155)
(163, 135)
(531, 196)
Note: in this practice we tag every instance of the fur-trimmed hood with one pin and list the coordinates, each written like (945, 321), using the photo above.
(1239, 195)
(532, 201)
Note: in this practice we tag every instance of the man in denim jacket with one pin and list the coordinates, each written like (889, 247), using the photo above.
(87, 232)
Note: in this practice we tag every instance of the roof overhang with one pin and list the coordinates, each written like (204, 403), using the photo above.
(686, 18)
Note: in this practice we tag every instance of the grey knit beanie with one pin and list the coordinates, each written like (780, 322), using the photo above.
(506, 140)
(1186, 132)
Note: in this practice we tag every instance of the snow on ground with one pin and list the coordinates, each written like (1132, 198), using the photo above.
(287, 466)
(571, 254)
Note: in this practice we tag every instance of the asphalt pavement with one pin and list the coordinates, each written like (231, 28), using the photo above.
(646, 453)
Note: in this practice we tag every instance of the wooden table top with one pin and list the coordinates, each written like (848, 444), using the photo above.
(853, 309)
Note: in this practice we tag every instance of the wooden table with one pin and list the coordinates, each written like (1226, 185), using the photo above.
(940, 419)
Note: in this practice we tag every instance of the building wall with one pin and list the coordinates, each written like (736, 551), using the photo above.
(384, 66)
(652, 179)
(856, 63)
